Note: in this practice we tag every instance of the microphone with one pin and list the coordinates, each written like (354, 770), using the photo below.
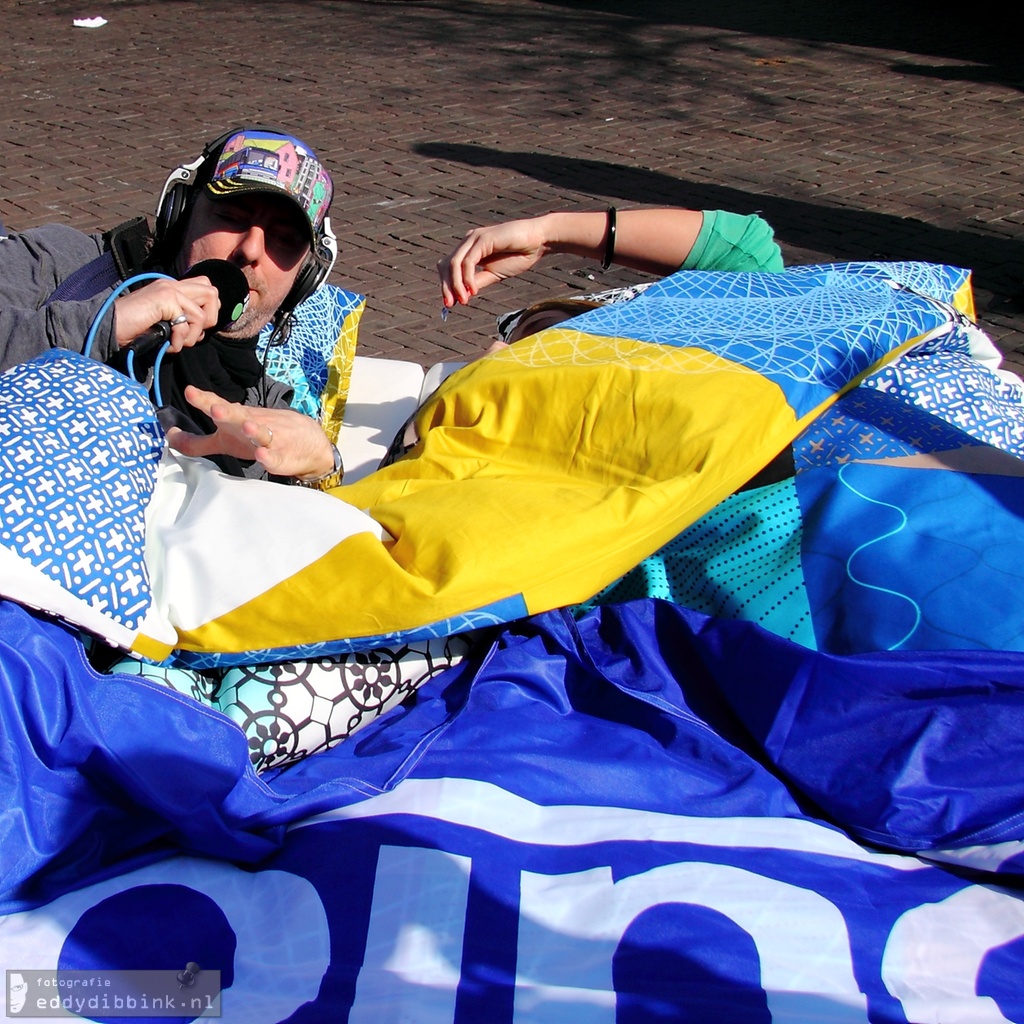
(232, 288)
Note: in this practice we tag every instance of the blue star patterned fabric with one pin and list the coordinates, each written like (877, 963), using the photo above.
(79, 444)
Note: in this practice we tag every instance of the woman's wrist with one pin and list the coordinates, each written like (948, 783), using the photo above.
(577, 233)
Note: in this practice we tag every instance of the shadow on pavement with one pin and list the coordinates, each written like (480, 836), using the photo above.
(988, 40)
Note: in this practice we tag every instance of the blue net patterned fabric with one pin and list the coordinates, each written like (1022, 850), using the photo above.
(319, 327)
(764, 321)
(79, 444)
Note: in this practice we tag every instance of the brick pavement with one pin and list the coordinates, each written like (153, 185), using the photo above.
(861, 130)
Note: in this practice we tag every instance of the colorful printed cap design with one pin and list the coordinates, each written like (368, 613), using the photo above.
(260, 161)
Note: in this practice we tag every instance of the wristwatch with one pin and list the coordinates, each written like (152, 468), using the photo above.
(332, 478)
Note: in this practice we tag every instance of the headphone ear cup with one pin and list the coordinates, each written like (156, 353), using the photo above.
(175, 202)
(179, 194)
(171, 210)
(315, 270)
(307, 281)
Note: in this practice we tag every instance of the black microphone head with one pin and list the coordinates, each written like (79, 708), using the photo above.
(231, 285)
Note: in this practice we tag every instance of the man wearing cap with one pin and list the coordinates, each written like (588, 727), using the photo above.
(257, 198)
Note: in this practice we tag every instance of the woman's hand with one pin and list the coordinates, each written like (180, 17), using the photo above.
(490, 254)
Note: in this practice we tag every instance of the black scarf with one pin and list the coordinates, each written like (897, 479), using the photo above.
(229, 367)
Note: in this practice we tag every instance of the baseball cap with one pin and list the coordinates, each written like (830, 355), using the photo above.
(253, 160)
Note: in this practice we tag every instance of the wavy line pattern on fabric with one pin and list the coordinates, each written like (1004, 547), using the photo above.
(878, 540)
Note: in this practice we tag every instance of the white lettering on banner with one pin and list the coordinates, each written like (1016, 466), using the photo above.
(485, 806)
(934, 954)
(571, 924)
(988, 858)
(277, 917)
(801, 939)
(414, 943)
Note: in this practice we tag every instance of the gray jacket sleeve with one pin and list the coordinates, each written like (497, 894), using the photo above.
(32, 264)
(274, 394)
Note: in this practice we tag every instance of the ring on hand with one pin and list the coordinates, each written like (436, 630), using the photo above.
(257, 444)
(179, 320)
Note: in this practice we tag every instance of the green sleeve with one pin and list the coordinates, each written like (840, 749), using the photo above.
(730, 241)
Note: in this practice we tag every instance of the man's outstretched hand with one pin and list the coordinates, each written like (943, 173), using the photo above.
(283, 441)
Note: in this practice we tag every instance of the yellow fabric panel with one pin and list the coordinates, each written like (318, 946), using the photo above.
(557, 465)
(963, 300)
(339, 374)
(147, 647)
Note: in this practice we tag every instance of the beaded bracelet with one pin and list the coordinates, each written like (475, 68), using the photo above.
(609, 245)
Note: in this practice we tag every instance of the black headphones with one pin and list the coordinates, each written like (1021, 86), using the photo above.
(179, 195)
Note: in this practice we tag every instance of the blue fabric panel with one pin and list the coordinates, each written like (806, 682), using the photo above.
(105, 769)
(870, 424)
(964, 392)
(909, 750)
(889, 554)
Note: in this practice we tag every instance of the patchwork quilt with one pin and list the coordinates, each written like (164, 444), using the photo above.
(731, 735)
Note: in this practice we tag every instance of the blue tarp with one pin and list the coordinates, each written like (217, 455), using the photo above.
(647, 699)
